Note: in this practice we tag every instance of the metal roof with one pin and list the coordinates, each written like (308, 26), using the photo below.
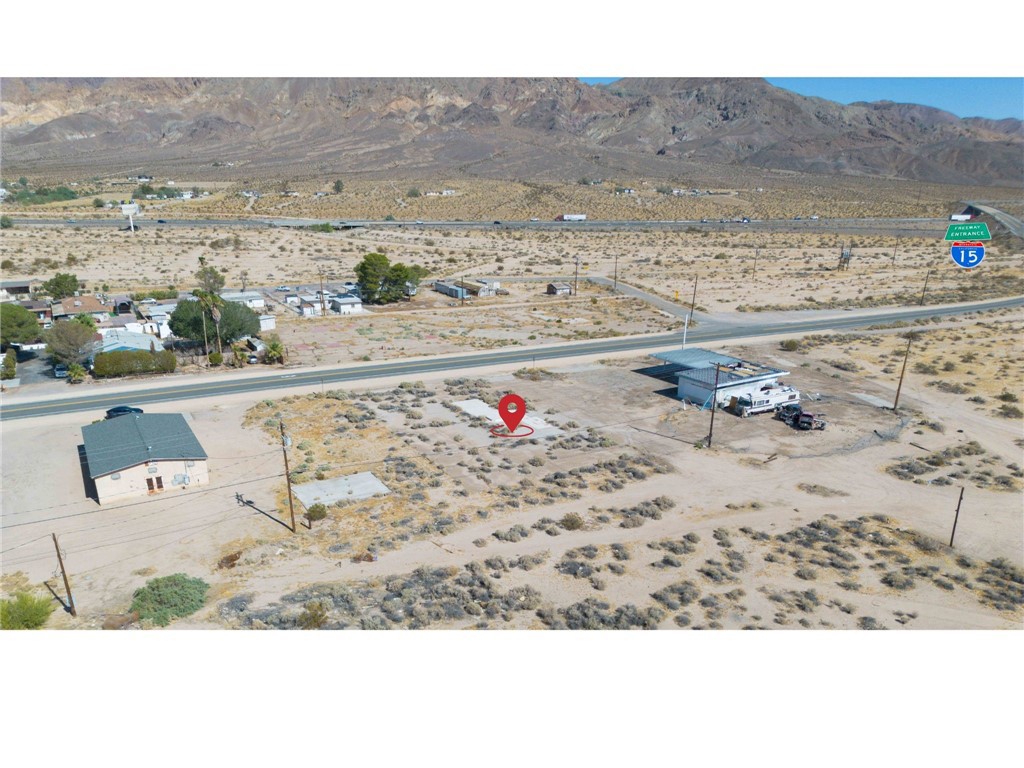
(126, 441)
(696, 358)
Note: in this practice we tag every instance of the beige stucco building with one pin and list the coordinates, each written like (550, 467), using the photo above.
(143, 454)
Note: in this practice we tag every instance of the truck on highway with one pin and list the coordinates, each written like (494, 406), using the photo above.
(960, 217)
(571, 217)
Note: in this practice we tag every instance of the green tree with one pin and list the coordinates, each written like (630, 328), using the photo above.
(413, 192)
(236, 321)
(69, 342)
(338, 186)
(23, 181)
(85, 319)
(25, 611)
(6, 222)
(17, 325)
(61, 285)
(372, 273)
(97, 203)
(212, 304)
(210, 278)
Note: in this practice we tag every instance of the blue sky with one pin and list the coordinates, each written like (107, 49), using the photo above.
(993, 97)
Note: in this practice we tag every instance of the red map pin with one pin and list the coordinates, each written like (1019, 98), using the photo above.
(512, 408)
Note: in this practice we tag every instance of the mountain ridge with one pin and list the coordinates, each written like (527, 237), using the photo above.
(544, 128)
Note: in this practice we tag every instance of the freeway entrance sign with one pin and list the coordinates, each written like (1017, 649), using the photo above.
(970, 231)
(967, 255)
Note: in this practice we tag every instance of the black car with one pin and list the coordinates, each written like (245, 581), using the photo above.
(122, 410)
(161, 221)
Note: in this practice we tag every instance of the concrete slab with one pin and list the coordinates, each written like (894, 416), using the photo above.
(540, 427)
(361, 485)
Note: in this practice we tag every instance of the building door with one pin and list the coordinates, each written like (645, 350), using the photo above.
(159, 483)
(150, 485)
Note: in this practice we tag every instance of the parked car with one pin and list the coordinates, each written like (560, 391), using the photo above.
(72, 221)
(122, 410)
(253, 359)
(60, 371)
(161, 221)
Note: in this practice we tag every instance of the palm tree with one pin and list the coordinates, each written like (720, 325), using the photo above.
(275, 350)
(210, 302)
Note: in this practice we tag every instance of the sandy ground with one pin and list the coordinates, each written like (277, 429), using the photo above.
(735, 485)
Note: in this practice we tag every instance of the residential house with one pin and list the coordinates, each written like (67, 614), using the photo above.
(346, 304)
(78, 305)
(143, 454)
(251, 299)
(267, 323)
(121, 340)
(16, 290)
(310, 308)
(42, 311)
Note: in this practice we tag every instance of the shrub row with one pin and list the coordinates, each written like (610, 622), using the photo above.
(10, 366)
(128, 363)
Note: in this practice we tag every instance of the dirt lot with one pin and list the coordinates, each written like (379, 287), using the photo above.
(737, 271)
(623, 521)
(735, 193)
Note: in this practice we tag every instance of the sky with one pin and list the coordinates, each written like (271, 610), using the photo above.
(992, 97)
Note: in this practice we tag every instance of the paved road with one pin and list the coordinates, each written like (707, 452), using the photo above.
(892, 227)
(164, 393)
(1012, 223)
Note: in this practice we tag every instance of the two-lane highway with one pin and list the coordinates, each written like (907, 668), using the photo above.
(156, 393)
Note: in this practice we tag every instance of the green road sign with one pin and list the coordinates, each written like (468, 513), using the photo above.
(970, 231)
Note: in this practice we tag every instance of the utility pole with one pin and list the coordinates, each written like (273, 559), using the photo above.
(463, 291)
(576, 280)
(714, 404)
(897, 245)
(910, 340)
(615, 289)
(923, 290)
(693, 303)
(757, 252)
(287, 474)
(957, 516)
(67, 586)
(323, 304)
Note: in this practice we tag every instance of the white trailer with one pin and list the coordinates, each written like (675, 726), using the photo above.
(960, 217)
(573, 217)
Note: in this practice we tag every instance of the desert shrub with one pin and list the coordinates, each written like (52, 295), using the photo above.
(169, 597)
(216, 358)
(790, 345)
(677, 595)
(896, 580)
(807, 574)
(571, 521)
(313, 616)
(25, 611)
(316, 512)
(1008, 411)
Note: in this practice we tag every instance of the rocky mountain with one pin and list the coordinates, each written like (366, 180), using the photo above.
(525, 128)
